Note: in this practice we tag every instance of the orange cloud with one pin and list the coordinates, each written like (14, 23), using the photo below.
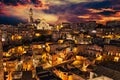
(104, 19)
(94, 10)
(100, 10)
(84, 16)
(100, 18)
(108, 9)
(22, 11)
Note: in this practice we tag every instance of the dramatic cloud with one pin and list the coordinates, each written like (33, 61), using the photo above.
(107, 13)
(57, 11)
(65, 2)
(98, 5)
(103, 11)
(100, 18)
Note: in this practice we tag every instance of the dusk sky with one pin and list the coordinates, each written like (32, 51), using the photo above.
(57, 11)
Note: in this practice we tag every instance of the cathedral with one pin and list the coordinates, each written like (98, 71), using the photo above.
(40, 24)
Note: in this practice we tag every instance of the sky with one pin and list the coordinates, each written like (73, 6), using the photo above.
(57, 11)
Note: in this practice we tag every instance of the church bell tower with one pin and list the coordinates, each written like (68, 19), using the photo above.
(31, 15)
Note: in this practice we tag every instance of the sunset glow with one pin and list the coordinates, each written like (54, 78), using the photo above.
(60, 11)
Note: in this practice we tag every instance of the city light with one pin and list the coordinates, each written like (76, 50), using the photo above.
(59, 40)
(37, 34)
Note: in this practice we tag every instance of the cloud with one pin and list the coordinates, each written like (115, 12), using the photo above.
(22, 12)
(107, 13)
(65, 2)
(100, 18)
(56, 11)
(79, 1)
(103, 11)
(85, 16)
(104, 19)
(34, 3)
(98, 5)
(95, 10)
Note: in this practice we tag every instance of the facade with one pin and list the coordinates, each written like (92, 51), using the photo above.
(110, 32)
(43, 25)
(112, 50)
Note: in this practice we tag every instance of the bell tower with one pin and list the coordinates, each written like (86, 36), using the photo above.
(31, 15)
